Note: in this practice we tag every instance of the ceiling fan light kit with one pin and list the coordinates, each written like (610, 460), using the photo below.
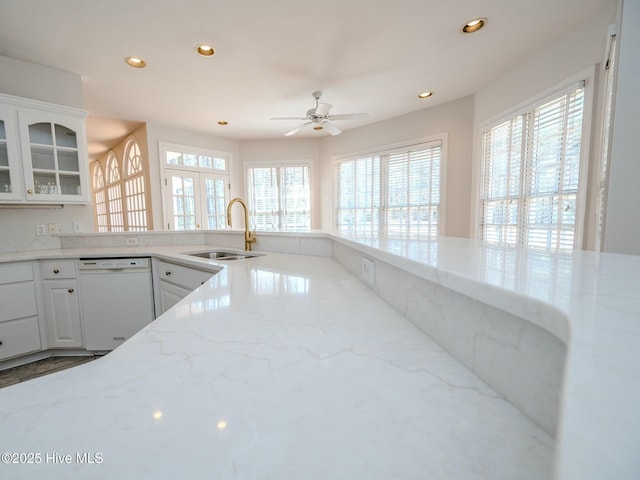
(320, 119)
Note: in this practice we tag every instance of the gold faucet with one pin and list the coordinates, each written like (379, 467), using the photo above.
(249, 237)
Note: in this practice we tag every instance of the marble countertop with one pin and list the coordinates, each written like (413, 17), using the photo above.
(285, 364)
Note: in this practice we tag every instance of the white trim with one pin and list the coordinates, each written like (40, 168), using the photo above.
(391, 146)
(27, 103)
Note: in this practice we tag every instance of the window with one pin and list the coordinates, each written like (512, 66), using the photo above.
(114, 195)
(196, 187)
(279, 197)
(99, 199)
(396, 192)
(120, 202)
(530, 175)
(134, 194)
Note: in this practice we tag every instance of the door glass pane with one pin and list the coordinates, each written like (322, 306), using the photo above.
(183, 202)
(215, 203)
(40, 133)
(42, 158)
(3, 134)
(4, 158)
(68, 161)
(65, 137)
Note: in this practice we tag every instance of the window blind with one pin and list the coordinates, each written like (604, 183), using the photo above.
(279, 197)
(530, 175)
(394, 193)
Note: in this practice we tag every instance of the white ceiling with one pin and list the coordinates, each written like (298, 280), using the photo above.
(366, 56)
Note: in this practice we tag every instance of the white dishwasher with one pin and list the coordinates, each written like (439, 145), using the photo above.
(116, 300)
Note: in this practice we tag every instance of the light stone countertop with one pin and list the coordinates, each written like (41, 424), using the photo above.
(281, 366)
(312, 372)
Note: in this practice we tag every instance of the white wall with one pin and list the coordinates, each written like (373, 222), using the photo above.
(288, 150)
(574, 52)
(161, 133)
(622, 232)
(17, 226)
(454, 118)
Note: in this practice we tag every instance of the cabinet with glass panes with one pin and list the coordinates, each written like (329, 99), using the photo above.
(51, 150)
(10, 172)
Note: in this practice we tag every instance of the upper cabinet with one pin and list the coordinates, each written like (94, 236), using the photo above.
(45, 160)
(10, 171)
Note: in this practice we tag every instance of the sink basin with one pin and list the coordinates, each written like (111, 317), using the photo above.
(223, 255)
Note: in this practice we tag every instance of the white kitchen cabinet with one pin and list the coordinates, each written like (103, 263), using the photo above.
(62, 304)
(19, 323)
(174, 282)
(46, 153)
(10, 167)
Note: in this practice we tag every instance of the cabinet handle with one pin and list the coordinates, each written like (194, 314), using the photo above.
(167, 273)
(56, 271)
(29, 191)
(70, 290)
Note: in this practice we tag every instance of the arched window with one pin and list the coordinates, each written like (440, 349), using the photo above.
(114, 194)
(134, 192)
(99, 199)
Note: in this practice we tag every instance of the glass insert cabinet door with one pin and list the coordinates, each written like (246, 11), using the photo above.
(10, 180)
(54, 156)
(55, 163)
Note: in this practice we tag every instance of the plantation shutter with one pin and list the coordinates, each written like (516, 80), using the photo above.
(263, 197)
(552, 172)
(531, 173)
(358, 195)
(413, 192)
(295, 198)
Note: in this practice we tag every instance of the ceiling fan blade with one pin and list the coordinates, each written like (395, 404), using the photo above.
(348, 116)
(297, 129)
(323, 109)
(288, 118)
(331, 128)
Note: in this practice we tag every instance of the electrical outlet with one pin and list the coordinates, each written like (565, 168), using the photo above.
(368, 271)
(77, 227)
(41, 229)
(132, 241)
(52, 228)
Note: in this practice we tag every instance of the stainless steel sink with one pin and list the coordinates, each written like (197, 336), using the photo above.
(223, 255)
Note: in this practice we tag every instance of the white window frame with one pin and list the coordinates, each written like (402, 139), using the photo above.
(199, 172)
(443, 138)
(278, 165)
(588, 78)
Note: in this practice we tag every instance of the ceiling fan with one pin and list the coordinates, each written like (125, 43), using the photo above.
(320, 119)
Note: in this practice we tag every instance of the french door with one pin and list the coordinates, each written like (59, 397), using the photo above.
(195, 200)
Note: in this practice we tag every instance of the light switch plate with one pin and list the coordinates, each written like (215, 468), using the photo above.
(41, 229)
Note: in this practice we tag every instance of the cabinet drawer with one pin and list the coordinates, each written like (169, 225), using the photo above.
(19, 337)
(189, 278)
(53, 269)
(18, 300)
(15, 272)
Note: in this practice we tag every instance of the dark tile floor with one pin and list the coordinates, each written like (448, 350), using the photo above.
(14, 375)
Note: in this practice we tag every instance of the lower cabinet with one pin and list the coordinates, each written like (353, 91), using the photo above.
(19, 322)
(62, 310)
(61, 303)
(174, 282)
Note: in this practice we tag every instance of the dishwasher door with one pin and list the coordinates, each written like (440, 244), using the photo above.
(116, 301)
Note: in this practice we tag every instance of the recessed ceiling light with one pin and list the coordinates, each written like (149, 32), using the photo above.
(135, 62)
(205, 50)
(425, 94)
(473, 25)
(223, 122)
